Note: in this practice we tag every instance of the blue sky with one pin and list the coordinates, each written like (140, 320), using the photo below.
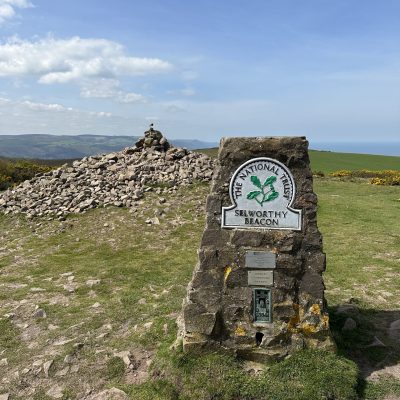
(329, 70)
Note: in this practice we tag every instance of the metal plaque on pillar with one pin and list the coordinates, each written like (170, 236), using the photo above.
(262, 305)
(260, 259)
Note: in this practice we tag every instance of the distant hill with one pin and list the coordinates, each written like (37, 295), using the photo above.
(52, 147)
(60, 147)
(193, 144)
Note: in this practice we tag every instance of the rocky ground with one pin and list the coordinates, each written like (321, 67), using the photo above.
(90, 290)
(72, 325)
(85, 303)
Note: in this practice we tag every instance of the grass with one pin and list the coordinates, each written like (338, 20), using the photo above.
(115, 368)
(142, 281)
(8, 336)
(143, 271)
(218, 376)
(329, 161)
(361, 241)
(378, 391)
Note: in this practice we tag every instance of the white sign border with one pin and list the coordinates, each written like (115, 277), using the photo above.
(234, 204)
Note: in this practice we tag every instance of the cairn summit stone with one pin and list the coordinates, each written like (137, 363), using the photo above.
(120, 179)
(152, 139)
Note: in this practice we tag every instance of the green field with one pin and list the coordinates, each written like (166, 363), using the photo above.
(327, 161)
(111, 285)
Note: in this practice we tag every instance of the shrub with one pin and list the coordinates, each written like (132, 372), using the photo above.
(5, 182)
(319, 174)
(388, 181)
(15, 172)
(377, 181)
(23, 170)
(341, 173)
(386, 177)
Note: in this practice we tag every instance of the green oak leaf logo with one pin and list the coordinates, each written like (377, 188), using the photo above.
(266, 190)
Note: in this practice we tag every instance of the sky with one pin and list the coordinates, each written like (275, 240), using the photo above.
(325, 69)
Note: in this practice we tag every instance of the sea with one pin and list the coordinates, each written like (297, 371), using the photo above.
(385, 148)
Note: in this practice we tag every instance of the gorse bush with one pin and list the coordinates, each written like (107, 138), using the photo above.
(15, 172)
(341, 173)
(387, 177)
(23, 170)
(390, 180)
(320, 174)
(5, 181)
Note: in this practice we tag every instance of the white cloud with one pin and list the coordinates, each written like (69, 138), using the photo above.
(8, 7)
(109, 89)
(100, 114)
(4, 101)
(26, 106)
(129, 97)
(173, 108)
(75, 59)
(27, 116)
(6, 11)
(45, 107)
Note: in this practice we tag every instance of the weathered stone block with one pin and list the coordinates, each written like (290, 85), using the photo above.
(242, 238)
(289, 262)
(315, 262)
(203, 323)
(215, 238)
(312, 285)
(214, 204)
(205, 279)
(284, 281)
(208, 297)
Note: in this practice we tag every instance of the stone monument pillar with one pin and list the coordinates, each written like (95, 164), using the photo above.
(257, 289)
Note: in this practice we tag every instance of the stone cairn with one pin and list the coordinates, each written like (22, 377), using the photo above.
(152, 139)
(119, 179)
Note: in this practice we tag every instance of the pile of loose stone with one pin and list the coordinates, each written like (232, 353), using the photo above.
(153, 139)
(118, 179)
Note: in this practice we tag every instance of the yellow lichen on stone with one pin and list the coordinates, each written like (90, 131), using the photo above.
(312, 343)
(227, 271)
(240, 331)
(315, 309)
(308, 328)
(292, 324)
(325, 320)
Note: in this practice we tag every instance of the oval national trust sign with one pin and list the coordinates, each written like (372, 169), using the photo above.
(262, 191)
